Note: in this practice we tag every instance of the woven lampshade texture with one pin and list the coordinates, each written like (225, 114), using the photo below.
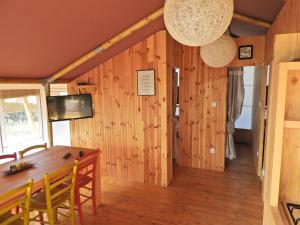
(219, 53)
(197, 22)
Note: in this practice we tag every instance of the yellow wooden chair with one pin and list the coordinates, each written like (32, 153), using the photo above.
(19, 197)
(58, 191)
(31, 148)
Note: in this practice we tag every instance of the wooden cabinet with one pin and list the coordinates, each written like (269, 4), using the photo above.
(290, 162)
(282, 180)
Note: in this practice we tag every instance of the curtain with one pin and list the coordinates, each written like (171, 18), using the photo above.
(236, 92)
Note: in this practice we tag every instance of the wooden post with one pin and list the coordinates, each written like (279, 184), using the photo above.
(251, 20)
(49, 124)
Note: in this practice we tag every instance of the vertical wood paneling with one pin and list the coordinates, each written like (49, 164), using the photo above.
(258, 43)
(201, 126)
(135, 132)
(131, 130)
(287, 21)
(290, 167)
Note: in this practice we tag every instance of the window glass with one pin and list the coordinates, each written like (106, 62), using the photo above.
(61, 129)
(21, 122)
(245, 120)
(248, 98)
(249, 75)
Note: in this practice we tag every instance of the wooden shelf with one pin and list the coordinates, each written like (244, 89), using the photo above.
(292, 124)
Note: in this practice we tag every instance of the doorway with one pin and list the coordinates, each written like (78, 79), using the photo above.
(175, 113)
(250, 126)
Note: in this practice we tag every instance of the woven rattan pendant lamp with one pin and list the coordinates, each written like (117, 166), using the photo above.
(219, 53)
(197, 22)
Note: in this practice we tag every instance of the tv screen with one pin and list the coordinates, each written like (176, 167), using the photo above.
(69, 107)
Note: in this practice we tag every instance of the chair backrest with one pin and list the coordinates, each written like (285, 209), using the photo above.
(31, 148)
(19, 197)
(64, 178)
(6, 157)
(87, 165)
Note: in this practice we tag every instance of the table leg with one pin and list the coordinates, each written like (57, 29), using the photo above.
(98, 180)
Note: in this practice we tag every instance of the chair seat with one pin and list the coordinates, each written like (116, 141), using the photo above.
(38, 201)
(6, 216)
(84, 180)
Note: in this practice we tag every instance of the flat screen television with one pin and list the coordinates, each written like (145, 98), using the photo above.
(69, 107)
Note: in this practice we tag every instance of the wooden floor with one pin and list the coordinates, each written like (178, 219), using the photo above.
(195, 197)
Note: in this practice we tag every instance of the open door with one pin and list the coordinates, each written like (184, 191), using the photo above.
(258, 116)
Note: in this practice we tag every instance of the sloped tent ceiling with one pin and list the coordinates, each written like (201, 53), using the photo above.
(38, 38)
(265, 10)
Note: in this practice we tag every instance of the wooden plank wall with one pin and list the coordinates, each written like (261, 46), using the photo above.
(280, 47)
(286, 47)
(290, 167)
(200, 125)
(287, 21)
(258, 43)
(135, 133)
(131, 130)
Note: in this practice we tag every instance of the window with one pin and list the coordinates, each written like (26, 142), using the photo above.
(245, 120)
(176, 92)
(60, 129)
(21, 120)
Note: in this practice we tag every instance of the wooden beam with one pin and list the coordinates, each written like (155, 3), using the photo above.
(28, 81)
(292, 124)
(106, 45)
(251, 20)
(49, 124)
(19, 81)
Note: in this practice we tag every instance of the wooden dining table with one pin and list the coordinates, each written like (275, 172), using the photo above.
(45, 161)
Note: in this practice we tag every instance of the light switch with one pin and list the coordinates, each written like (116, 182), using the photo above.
(212, 151)
(214, 104)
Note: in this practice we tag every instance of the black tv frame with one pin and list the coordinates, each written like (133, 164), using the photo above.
(63, 96)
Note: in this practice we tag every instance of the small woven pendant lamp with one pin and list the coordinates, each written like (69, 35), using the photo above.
(219, 53)
(197, 22)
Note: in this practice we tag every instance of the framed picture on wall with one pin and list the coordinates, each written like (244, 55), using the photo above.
(146, 82)
(245, 52)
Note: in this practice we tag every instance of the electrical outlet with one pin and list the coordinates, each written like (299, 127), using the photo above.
(212, 151)
(214, 104)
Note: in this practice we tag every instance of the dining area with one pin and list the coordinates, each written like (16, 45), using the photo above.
(41, 185)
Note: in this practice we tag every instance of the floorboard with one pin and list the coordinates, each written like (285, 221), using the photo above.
(195, 197)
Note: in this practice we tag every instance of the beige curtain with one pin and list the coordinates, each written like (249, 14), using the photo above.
(236, 93)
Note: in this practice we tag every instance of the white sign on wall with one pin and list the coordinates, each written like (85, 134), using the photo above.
(146, 82)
